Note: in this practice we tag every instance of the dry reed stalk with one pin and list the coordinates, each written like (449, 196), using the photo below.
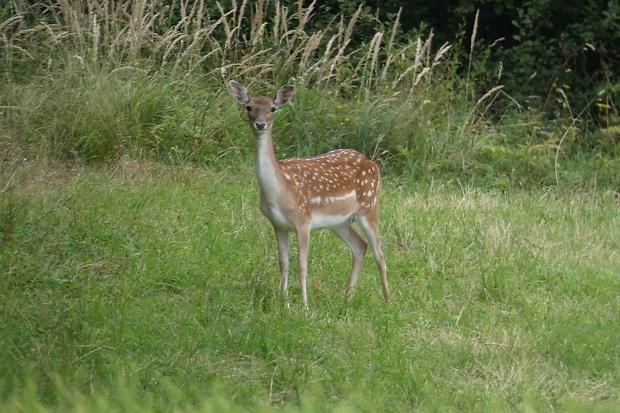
(373, 55)
(55, 33)
(214, 50)
(336, 60)
(259, 69)
(8, 24)
(70, 16)
(238, 16)
(13, 25)
(227, 29)
(8, 46)
(257, 39)
(426, 49)
(349, 31)
(300, 43)
(138, 28)
(500, 70)
(418, 54)
(172, 42)
(116, 27)
(203, 36)
(194, 19)
(474, 33)
(402, 76)
(478, 103)
(303, 17)
(341, 30)
(184, 20)
(317, 69)
(290, 61)
(199, 38)
(96, 30)
(324, 79)
(394, 29)
(344, 38)
(392, 58)
(473, 42)
(486, 95)
(116, 42)
(311, 46)
(283, 29)
(175, 37)
(276, 23)
(186, 15)
(105, 11)
(163, 13)
(419, 77)
(136, 21)
(488, 105)
(258, 22)
(323, 63)
(441, 52)
(199, 15)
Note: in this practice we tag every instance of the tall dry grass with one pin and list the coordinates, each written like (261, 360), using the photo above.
(260, 40)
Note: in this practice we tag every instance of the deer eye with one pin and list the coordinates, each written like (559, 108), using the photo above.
(248, 108)
(273, 109)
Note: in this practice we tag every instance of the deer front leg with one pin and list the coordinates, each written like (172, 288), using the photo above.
(303, 243)
(282, 237)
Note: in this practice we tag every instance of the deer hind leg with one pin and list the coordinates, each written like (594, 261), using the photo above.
(370, 227)
(358, 249)
(282, 237)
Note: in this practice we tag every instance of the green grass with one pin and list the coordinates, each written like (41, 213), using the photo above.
(143, 287)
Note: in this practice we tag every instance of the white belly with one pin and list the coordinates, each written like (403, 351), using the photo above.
(328, 221)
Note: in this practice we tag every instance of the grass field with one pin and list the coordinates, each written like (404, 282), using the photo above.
(144, 287)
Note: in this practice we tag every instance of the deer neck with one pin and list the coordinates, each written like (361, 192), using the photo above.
(268, 171)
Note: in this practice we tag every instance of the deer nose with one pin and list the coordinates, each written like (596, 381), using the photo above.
(260, 125)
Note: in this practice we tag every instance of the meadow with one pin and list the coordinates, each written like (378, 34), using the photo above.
(139, 275)
(142, 287)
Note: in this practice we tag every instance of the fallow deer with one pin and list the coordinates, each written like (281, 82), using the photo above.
(333, 190)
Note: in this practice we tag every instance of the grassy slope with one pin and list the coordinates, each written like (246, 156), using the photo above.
(141, 287)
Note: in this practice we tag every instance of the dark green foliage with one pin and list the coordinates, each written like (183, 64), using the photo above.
(540, 42)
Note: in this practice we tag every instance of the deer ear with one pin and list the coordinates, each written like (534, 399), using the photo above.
(239, 92)
(284, 95)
